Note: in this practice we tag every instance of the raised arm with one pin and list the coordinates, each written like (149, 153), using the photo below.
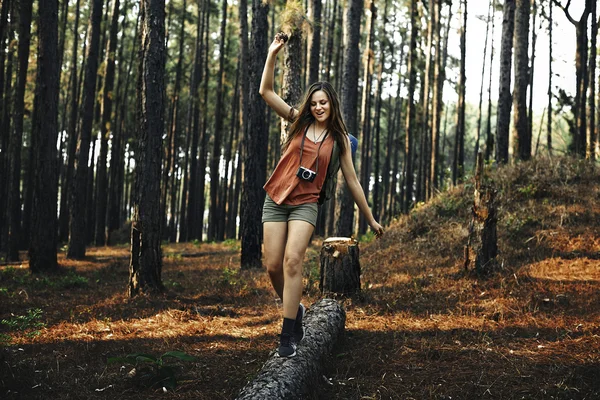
(283, 109)
(357, 191)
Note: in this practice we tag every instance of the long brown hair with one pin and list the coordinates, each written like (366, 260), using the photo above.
(335, 122)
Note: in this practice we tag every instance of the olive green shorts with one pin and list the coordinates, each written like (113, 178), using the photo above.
(273, 212)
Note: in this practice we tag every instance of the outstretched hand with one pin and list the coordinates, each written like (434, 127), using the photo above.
(378, 229)
(280, 39)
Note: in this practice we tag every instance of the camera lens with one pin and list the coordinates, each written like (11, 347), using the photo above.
(306, 175)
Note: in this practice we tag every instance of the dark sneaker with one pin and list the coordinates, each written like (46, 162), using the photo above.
(298, 328)
(287, 347)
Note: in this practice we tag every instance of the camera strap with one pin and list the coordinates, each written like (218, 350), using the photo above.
(318, 149)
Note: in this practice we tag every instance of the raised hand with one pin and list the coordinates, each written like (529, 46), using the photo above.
(280, 39)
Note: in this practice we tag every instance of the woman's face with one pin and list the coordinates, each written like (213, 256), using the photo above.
(320, 106)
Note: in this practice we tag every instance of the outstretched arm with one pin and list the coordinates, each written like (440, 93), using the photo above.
(283, 109)
(357, 191)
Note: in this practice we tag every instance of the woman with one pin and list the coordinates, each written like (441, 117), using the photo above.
(294, 188)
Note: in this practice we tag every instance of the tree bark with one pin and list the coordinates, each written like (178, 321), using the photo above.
(482, 236)
(480, 104)
(5, 111)
(439, 76)
(106, 127)
(16, 143)
(581, 75)
(115, 212)
(298, 377)
(365, 111)
(190, 228)
(330, 37)
(315, 45)
(521, 137)
(489, 141)
(78, 228)
(67, 183)
(349, 97)
(146, 254)
(458, 167)
(340, 266)
(532, 68)
(504, 95)
(410, 110)
(590, 143)
(549, 121)
(43, 242)
(291, 90)
(216, 210)
(256, 139)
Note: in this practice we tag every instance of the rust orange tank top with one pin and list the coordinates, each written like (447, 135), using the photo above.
(284, 187)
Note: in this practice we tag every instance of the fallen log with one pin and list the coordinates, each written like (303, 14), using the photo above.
(297, 377)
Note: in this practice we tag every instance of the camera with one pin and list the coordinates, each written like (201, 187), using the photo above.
(306, 174)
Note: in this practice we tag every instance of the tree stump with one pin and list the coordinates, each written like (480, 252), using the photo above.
(298, 377)
(340, 267)
(482, 229)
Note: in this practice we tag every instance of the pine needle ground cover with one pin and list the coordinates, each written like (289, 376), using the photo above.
(423, 328)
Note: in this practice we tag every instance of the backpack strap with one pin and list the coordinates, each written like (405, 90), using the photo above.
(329, 186)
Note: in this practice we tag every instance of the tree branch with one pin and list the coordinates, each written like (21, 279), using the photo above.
(566, 10)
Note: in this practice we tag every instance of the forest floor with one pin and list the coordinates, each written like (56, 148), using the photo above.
(423, 327)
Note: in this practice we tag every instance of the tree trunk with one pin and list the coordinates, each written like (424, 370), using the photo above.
(299, 377)
(228, 228)
(315, 45)
(201, 173)
(340, 266)
(439, 76)
(504, 95)
(365, 111)
(146, 254)
(292, 73)
(5, 113)
(330, 37)
(410, 109)
(377, 126)
(549, 122)
(78, 223)
(106, 127)
(581, 76)
(216, 212)
(522, 140)
(458, 169)
(194, 127)
(482, 236)
(42, 249)
(531, 69)
(480, 105)
(590, 148)
(489, 141)
(256, 139)
(115, 218)
(172, 181)
(424, 158)
(67, 183)
(349, 98)
(15, 147)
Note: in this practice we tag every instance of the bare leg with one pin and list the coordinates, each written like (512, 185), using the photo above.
(275, 237)
(298, 237)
